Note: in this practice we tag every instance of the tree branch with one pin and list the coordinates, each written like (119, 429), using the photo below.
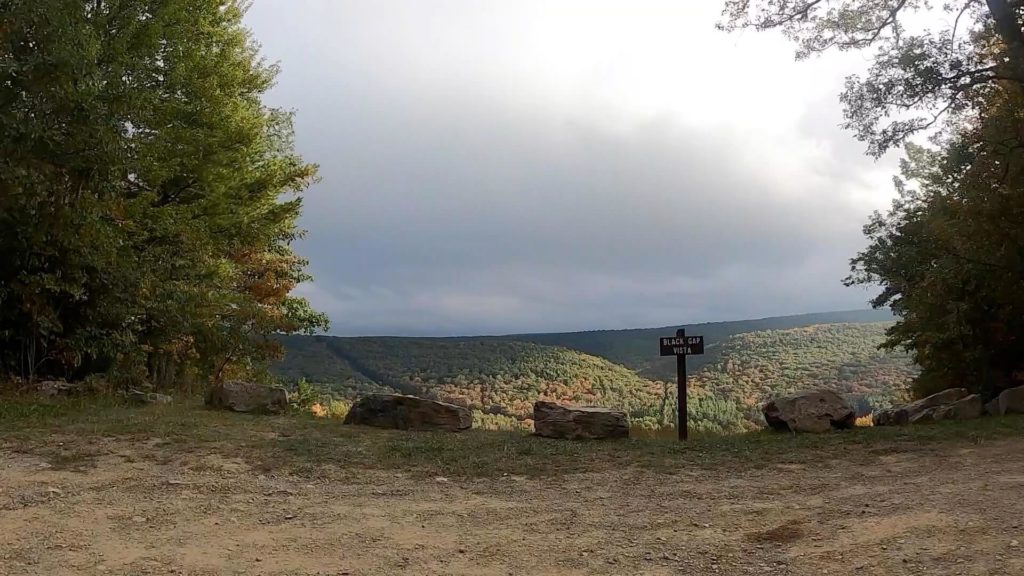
(956, 23)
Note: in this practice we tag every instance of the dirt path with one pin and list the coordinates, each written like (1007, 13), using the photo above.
(136, 509)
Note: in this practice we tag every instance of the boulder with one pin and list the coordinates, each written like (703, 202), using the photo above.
(553, 420)
(1009, 401)
(810, 411)
(408, 413)
(963, 409)
(887, 417)
(140, 397)
(242, 396)
(915, 411)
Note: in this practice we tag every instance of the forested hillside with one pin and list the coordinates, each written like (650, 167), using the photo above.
(501, 378)
(843, 357)
(637, 349)
(498, 378)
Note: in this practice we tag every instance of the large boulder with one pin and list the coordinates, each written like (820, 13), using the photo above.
(553, 420)
(242, 396)
(810, 411)
(408, 413)
(921, 410)
(1009, 401)
(963, 409)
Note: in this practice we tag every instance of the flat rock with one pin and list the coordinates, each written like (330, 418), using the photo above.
(240, 396)
(408, 413)
(963, 409)
(810, 411)
(921, 410)
(553, 420)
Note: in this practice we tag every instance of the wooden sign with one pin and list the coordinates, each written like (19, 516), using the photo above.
(681, 346)
(684, 345)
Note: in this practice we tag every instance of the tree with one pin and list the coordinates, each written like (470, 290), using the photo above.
(916, 77)
(142, 181)
(950, 256)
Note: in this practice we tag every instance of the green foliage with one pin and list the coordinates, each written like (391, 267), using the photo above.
(303, 395)
(141, 181)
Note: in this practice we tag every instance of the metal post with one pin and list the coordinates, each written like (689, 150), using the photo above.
(682, 420)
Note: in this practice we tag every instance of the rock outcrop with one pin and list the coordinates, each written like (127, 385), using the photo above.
(553, 420)
(242, 396)
(809, 411)
(408, 413)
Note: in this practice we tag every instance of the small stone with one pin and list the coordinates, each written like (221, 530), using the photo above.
(138, 519)
(441, 480)
(1014, 543)
(289, 516)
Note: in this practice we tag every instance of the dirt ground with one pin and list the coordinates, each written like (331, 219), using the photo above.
(141, 508)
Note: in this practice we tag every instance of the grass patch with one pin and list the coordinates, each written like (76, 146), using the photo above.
(301, 444)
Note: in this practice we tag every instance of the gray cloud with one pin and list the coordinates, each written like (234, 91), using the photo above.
(452, 203)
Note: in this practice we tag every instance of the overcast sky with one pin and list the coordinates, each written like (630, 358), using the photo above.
(523, 166)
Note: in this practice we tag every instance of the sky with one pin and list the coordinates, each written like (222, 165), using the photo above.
(495, 167)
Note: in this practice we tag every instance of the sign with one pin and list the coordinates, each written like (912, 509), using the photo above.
(682, 346)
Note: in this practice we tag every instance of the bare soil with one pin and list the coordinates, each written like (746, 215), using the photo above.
(145, 506)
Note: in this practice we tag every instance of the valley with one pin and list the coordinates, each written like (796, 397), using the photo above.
(500, 377)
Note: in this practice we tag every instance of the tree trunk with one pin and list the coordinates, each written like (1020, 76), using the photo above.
(1009, 30)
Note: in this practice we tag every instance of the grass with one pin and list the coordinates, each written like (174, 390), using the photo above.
(67, 432)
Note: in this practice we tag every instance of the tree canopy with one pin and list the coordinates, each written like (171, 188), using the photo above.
(148, 198)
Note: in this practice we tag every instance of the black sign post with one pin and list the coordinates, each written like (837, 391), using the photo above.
(682, 346)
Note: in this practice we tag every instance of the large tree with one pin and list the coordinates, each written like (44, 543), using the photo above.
(144, 220)
(950, 255)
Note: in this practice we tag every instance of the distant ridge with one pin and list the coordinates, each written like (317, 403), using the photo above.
(859, 316)
(636, 348)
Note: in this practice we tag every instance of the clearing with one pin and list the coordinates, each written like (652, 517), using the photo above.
(99, 488)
